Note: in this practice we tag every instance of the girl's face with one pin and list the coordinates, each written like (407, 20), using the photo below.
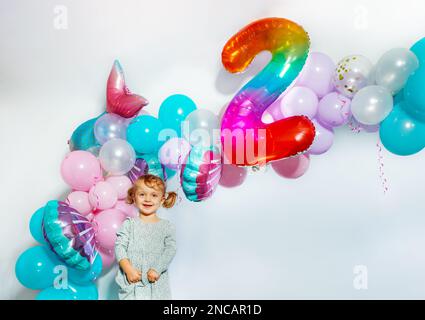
(147, 199)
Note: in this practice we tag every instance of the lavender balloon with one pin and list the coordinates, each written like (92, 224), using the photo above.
(334, 110)
(299, 101)
(323, 140)
(110, 126)
(174, 152)
(317, 74)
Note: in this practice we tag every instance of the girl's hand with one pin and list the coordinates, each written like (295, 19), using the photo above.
(152, 275)
(133, 275)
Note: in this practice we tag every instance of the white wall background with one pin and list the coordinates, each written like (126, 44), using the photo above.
(269, 238)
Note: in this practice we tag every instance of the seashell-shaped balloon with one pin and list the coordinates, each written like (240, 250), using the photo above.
(69, 234)
(201, 172)
(119, 99)
(147, 163)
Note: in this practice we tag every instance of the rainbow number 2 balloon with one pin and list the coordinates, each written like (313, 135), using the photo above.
(70, 235)
(289, 45)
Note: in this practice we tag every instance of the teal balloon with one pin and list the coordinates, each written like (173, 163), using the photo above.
(399, 97)
(72, 292)
(414, 91)
(414, 94)
(155, 167)
(143, 132)
(402, 134)
(86, 277)
(419, 50)
(83, 137)
(170, 173)
(174, 110)
(35, 268)
(35, 226)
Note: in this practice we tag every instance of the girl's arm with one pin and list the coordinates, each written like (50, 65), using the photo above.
(121, 246)
(169, 252)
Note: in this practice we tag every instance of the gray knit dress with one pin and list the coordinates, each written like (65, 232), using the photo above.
(146, 245)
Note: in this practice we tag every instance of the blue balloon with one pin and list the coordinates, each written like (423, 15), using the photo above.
(419, 50)
(414, 91)
(72, 292)
(399, 97)
(414, 94)
(174, 110)
(86, 277)
(402, 134)
(35, 226)
(170, 173)
(143, 132)
(35, 268)
(83, 137)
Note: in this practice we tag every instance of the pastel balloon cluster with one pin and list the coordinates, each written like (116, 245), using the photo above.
(304, 96)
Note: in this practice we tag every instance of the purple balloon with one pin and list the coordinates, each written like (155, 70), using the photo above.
(323, 140)
(299, 101)
(317, 74)
(334, 110)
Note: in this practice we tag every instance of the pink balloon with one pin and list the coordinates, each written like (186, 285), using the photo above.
(173, 153)
(103, 196)
(108, 257)
(323, 140)
(293, 167)
(81, 170)
(129, 209)
(232, 176)
(121, 184)
(317, 74)
(299, 101)
(108, 223)
(79, 200)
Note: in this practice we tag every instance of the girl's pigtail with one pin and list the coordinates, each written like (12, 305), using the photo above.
(170, 200)
(130, 195)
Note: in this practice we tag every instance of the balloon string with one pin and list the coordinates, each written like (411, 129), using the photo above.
(354, 128)
(384, 180)
(179, 188)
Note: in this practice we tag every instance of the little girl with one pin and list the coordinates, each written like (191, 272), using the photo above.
(146, 245)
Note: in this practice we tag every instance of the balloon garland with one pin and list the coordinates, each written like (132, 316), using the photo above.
(304, 95)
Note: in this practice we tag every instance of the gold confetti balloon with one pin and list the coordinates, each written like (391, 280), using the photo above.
(351, 74)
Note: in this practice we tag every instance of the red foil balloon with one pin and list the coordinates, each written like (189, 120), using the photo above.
(246, 140)
(119, 99)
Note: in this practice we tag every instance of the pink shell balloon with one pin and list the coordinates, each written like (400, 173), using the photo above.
(119, 99)
(201, 173)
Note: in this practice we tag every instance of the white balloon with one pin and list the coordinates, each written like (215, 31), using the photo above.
(394, 68)
(117, 156)
(371, 105)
